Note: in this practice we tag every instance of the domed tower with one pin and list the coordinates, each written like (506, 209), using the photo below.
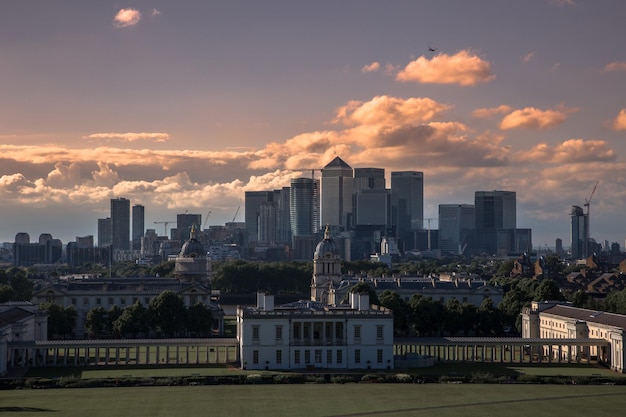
(191, 262)
(326, 269)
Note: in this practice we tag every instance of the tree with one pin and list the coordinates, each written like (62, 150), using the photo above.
(23, 287)
(167, 313)
(96, 322)
(7, 293)
(199, 320)
(112, 315)
(401, 311)
(547, 290)
(61, 321)
(488, 321)
(426, 315)
(132, 321)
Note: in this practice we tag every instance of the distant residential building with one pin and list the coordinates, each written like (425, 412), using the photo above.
(46, 251)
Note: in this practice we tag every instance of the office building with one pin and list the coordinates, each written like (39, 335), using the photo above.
(337, 190)
(253, 202)
(371, 201)
(457, 224)
(495, 210)
(184, 223)
(138, 225)
(104, 232)
(407, 206)
(120, 223)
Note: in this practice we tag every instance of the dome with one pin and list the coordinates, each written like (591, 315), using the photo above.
(192, 248)
(326, 246)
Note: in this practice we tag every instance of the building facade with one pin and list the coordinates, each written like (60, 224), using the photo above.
(495, 211)
(120, 223)
(139, 227)
(407, 206)
(337, 190)
(457, 226)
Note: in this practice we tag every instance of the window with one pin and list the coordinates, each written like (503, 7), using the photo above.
(279, 332)
(255, 356)
(296, 356)
(122, 301)
(98, 301)
(379, 332)
(307, 330)
(379, 356)
(255, 332)
(110, 301)
(296, 330)
(146, 300)
(307, 356)
(357, 355)
(340, 356)
(357, 332)
(85, 301)
(339, 330)
(318, 356)
(279, 357)
(73, 301)
(329, 356)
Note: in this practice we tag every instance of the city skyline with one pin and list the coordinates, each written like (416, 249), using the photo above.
(187, 106)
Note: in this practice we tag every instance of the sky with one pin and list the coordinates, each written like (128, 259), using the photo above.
(183, 106)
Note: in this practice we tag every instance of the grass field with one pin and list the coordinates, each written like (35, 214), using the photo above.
(312, 400)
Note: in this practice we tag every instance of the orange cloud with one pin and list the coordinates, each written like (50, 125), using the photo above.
(487, 113)
(615, 66)
(131, 136)
(571, 151)
(534, 118)
(461, 68)
(127, 17)
(620, 121)
(373, 67)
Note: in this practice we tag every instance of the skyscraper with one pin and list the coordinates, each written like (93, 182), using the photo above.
(138, 225)
(456, 228)
(120, 223)
(337, 190)
(253, 202)
(104, 232)
(304, 206)
(407, 205)
(371, 198)
(580, 226)
(184, 223)
(495, 210)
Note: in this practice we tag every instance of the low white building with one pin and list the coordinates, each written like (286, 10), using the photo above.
(20, 322)
(308, 334)
(556, 320)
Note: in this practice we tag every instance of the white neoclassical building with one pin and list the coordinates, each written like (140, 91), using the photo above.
(585, 333)
(316, 333)
(20, 322)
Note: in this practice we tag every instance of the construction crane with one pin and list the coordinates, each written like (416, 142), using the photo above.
(236, 213)
(164, 223)
(588, 200)
(206, 219)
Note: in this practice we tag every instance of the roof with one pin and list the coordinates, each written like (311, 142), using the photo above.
(13, 315)
(337, 163)
(590, 316)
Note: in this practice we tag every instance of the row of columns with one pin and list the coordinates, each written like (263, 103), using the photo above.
(503, 353)
(129, 355)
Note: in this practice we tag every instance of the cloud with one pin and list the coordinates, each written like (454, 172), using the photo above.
(461, 68)
(534, 118)
(373, 67)
(154, 12)
(127, 17)
(572, 151)
(563, 3)
(130, 136)
(615, 66)
(620, 121)
(487, 113)
(528, 57)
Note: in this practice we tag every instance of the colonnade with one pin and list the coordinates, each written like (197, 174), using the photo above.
(123, 352)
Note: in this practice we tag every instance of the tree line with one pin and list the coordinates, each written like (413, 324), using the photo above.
(165, 316)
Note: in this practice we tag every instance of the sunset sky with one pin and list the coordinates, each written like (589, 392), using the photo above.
(185, 105)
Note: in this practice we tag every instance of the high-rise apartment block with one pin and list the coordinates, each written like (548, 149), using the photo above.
(580, 233)
(120, 223)
(104, 232)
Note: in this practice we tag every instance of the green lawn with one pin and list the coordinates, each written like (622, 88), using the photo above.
(311, 400)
